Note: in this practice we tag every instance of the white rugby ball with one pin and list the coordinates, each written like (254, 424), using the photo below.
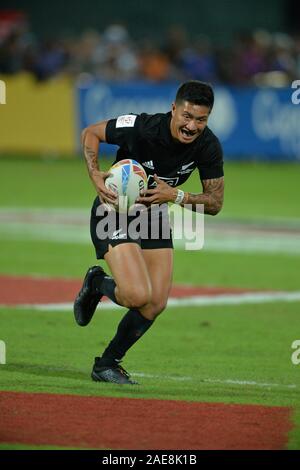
(127, 179)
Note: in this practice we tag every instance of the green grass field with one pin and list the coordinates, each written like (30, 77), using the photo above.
(225, 353)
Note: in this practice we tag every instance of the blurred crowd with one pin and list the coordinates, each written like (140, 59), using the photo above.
(255, 58)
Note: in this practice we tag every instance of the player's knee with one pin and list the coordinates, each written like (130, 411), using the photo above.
(154, 308)
(158, 307)
(136, 297)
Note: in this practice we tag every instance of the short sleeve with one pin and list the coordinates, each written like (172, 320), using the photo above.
(211, 166)
(123, 131)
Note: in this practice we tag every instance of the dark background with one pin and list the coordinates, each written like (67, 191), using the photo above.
(219, 19)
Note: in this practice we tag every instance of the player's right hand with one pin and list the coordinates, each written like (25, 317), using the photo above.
(105, 194)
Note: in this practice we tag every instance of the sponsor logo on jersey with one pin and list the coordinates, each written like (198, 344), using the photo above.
(149, 164)
(127, 120)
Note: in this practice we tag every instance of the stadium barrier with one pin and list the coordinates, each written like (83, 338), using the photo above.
(37, 117)
(260, 123)
(46, 118)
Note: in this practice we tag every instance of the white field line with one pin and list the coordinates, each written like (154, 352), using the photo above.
(214, 381)
(215, 240)
(72, 226)
(199, 380)
(81, 215)
(191, 301)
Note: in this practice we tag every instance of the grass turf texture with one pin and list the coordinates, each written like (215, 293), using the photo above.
(253, 190)
(256, 271)
(8, 446)
(218, 343)
(232, 342)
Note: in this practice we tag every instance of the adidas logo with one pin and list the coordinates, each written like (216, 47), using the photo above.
(149, 164)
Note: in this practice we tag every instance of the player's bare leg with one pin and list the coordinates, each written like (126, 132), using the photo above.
(143, 277)
(137, 273)
(128, 267)
(131, 287)
(160, 268)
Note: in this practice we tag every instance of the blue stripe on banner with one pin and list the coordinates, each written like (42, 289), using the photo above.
(260, 123)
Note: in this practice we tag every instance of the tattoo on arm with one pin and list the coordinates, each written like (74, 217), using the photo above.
(91, 159)
(212, 196)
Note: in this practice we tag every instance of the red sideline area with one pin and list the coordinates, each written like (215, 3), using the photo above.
(17, 290)
(126, 423)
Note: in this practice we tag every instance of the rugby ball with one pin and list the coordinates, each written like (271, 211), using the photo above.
(127, 179)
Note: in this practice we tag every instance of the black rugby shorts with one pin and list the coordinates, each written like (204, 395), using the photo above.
(150, 230)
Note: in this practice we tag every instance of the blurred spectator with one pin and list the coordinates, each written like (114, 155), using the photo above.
(281, 54)
(153, 63)
(198, 61)
(253, 58)
(15, 40)
(81, 52)
(297, 55)
(11, 55)
(50, 60)
(249, 56)
(114, 58)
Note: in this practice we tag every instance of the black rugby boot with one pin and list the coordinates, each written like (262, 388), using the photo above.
(88, 298)
(113, 373)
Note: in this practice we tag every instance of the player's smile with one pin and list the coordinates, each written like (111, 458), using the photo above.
(188, 135)
(188, 121)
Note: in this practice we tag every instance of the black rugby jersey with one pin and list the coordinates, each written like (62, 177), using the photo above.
(147, 139)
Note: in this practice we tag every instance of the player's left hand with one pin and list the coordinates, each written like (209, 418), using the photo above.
(161, 193)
